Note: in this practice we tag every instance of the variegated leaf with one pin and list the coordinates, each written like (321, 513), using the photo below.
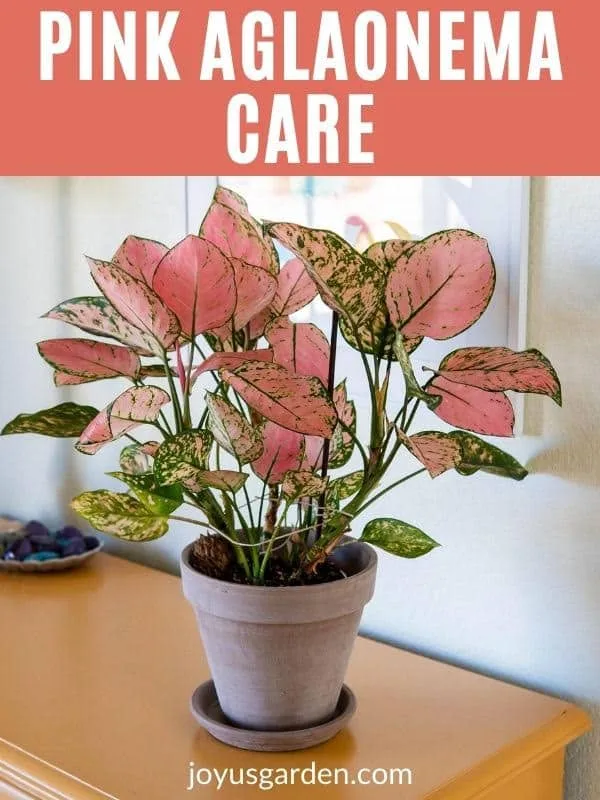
(377, 335)
(63, 421)
(223, 480)
(121, 515)
(159, 500)
(140, 257)
(398, 538)
(134, 460)
(197, 283)
(498, 369)
(230, 361)
(441, 285)
(301, 347)
(96, 315)
(88, 359)
(344, 487)
(232, 431)
(348, 282)
(435, 450)
(137, 303)
(176, 454)
(155, 371)
(135, 406)
(302, 484)
(283, 451)
(293, 401)
(475, 454)
(471, 408)
(342, 442)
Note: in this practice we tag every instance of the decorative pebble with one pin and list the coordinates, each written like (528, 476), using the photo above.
(73, 548)
(34, 527)
(91, 542)
(41, 556)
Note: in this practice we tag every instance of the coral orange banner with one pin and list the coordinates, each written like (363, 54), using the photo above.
(261, 87)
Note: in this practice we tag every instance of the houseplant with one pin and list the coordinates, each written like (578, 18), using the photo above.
(219, 305)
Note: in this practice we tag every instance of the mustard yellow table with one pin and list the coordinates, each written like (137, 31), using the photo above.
(96, 671)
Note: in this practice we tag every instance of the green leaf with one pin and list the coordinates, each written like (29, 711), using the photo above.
(476, 454)
(160, 500)
(65, 420)
(398, 538)
(344, 487)
(376, 335)
(178, 453)
(302, 484)
(224, 480)
(121, 515)
(348, 282)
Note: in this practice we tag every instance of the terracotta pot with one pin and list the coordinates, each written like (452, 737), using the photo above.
(278, 655)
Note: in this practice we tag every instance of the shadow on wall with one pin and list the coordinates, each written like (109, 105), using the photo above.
(565, 308)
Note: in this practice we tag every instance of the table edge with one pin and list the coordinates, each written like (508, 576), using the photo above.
(517, 757)
(41, 780)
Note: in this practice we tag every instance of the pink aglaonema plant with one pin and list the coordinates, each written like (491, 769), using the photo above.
(219, 304)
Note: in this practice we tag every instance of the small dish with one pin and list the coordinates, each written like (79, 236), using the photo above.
(52, 565)
(207, 712)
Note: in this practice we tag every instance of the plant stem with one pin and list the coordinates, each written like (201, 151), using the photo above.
(327, 442)
(174, 395)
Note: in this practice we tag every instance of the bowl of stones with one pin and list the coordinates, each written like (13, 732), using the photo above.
(35, 548)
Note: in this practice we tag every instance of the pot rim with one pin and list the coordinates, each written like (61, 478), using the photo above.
(348, 540)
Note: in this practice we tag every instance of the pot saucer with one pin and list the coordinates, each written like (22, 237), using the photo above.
(207, 712)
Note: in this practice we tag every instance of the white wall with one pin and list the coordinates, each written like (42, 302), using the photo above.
(515, 591)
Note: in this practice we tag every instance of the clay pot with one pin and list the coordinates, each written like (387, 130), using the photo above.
(278, 655)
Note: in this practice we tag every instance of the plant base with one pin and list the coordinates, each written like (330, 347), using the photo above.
(208, 713)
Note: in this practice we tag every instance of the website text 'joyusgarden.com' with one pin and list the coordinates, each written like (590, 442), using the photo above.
(268, 778)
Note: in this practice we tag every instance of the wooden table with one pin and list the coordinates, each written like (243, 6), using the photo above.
(98, 666)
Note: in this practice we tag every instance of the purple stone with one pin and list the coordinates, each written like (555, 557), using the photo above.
(35, 528)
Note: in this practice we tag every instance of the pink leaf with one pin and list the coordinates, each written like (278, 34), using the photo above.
(313, 453)
(65, 379)
(473, 409)
(257, 325)
(295, 289)
(230, 227)
(230, 361)
(140, 257)
(254, 290)
(441, 285)
(293, 401)
(283, 451)
(301, 347)
(436, 451)
(137, 303)
(86, 358)
(348, 282)
(135, 406)
(498, 369)
(196, 281)
(96, 315)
